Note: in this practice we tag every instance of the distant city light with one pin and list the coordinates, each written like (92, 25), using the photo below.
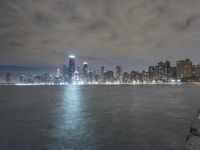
(85, 63)
(161, 73)
(71, 56)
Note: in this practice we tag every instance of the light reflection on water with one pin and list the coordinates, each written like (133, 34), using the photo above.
(71, 106)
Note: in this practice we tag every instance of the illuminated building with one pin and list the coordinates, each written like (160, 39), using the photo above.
(102, 71)
(109, 77)
(125, 77)
(196, 70)
(163, 71)
(22, 78)
(134, 76)
(119, 74)
(96, 77)
(102, 74)
(85, 71)
(58, 74)
(184, 68)
(76, 76)
(71, 68)
(153, 73)
(144, 76)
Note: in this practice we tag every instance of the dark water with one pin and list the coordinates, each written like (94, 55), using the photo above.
(146, 117)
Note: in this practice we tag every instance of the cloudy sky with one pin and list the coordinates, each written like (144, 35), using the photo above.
(130, 33)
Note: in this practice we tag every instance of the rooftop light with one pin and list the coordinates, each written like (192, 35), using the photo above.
(71, 56)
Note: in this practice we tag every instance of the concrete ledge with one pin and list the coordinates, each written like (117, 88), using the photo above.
(193, 138)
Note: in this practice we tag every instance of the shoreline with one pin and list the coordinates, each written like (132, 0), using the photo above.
(64, 84)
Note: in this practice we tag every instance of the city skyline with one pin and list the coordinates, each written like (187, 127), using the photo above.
(71, 73)
(131, 33)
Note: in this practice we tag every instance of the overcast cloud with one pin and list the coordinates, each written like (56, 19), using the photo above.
(131, 33)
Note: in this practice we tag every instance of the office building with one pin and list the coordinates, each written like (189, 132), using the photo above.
(163, 71)
(184, 68)
(85, 70)
(71, 67)
(196, 70)
(119, 74)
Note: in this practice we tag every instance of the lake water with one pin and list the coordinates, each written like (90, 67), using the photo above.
(121, 117)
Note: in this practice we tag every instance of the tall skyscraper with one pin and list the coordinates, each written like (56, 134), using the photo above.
(65, 72)
(71, 67)
(184, 68)
(164, 71)
(102, 71)
(85, 71)
(119, 73)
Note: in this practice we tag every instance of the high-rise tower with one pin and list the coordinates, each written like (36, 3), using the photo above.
(71, 67)
(85, 71)
(119, 73)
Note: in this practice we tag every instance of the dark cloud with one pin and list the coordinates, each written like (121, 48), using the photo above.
(129, 33)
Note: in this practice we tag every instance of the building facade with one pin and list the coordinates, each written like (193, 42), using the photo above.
(184, 68)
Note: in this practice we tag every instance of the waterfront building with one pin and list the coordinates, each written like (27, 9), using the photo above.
(145, 76)
(96, 77)
(125, 77)
(85, 71)
(173, 73)
(119, 74)
(58, 74)
(22, 79)
(76, 76)
(90, 77)
(65, 72)
(102, 74)
(8, 77)
(108, 77)
(196, 70)
(153, 73)
(102, 71)
(71, 68)
(184, 68)
(134, 76)
(163, 71)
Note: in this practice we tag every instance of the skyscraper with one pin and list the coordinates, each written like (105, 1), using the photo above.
(184, 68)
(65, 73)
(85, 71)
(71, 67)
(164, 71)
(119, 73)
(196, 70)
(102, 71)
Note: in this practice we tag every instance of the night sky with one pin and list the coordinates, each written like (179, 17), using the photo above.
(130, 33)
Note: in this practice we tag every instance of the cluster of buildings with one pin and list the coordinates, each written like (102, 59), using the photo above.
(163, 72)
